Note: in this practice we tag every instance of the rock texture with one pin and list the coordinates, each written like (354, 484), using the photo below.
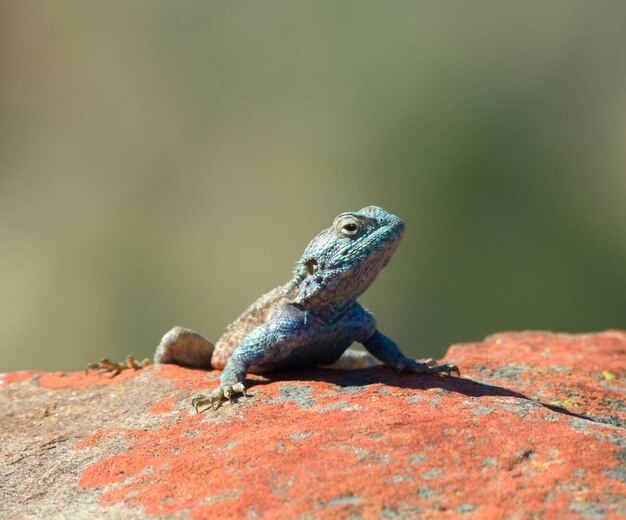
(536, 427)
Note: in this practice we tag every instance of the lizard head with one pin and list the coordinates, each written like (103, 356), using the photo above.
(343, 260)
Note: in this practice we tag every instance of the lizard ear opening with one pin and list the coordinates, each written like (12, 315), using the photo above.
(311, 266)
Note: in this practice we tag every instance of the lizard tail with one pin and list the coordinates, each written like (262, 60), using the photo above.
(184, 347)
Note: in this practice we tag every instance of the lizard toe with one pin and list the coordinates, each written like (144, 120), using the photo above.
(447, 369)
(218, 396)
(105, 365)
(213, 400)
(431, 367)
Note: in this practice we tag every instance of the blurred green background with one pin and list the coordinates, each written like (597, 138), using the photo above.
(165, 163)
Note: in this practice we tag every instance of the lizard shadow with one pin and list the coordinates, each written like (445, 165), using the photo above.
(367, 376)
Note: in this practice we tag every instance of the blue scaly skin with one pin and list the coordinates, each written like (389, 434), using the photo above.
(311, 320)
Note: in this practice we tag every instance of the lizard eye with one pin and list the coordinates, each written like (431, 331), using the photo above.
(347, 226)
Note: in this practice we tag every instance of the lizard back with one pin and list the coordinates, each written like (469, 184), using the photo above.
(254, 316)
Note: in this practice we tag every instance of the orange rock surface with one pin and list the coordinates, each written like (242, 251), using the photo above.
(536, 427)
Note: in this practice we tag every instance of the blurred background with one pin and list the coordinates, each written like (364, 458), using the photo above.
(166, 163)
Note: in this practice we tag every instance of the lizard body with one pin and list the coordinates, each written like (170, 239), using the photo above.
(312, 319)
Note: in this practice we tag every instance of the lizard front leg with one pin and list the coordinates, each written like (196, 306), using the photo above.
(388, 352)
(257, 348)
(231, 383)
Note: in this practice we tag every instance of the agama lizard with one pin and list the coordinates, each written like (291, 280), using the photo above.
(310, 321)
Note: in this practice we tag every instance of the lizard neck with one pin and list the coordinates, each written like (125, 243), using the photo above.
(331, 312)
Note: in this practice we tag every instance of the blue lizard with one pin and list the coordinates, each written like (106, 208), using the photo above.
(311, 320)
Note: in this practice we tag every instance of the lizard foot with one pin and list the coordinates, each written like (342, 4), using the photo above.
(115, 368)
(217, 396)
(431, 367)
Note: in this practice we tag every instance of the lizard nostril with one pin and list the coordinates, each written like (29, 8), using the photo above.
(311, 266)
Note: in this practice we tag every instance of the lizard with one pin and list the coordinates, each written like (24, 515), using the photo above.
(310, 321)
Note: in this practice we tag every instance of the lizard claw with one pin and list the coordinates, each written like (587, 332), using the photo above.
(447, 369)
(115, 368)
(217, 396)
(431, 367)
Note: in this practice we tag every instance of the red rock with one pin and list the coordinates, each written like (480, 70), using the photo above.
(535, 427)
